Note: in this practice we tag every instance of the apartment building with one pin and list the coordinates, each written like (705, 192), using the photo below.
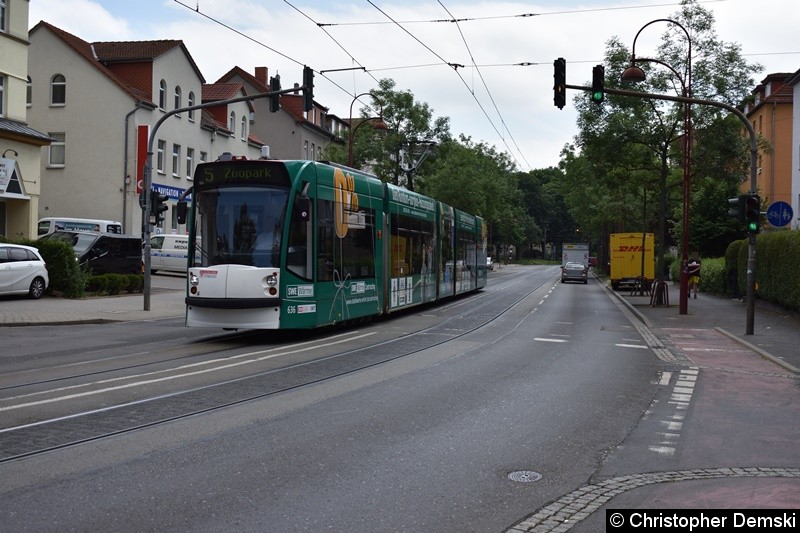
(106, 104)
(20, 144)
(771, 114)
(291, 132)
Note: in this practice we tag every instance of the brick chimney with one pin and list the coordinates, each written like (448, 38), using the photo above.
(262, 75)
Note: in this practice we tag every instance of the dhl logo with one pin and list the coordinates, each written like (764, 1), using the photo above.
(634, 248)
(345, 200)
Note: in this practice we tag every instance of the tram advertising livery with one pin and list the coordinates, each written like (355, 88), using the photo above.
(304, 244)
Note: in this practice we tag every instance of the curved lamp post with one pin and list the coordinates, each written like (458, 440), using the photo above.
(636, 74)
(377, 122)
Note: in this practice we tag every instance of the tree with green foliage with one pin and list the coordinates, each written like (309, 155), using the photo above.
(478, 179)
(392, 153)
(629, 151)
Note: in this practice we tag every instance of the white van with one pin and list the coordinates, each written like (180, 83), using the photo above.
(170, 252)
(50, 224)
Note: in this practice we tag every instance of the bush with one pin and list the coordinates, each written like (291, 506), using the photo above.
(113, 284)
(712, 275)
(732, 282)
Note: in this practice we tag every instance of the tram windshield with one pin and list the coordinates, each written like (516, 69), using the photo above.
(242, 225)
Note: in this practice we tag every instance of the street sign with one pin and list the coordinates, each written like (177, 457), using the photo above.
(779, 214)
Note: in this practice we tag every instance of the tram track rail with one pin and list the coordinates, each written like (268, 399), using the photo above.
(45, 436)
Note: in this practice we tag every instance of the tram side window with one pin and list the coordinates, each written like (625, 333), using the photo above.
(412, 246)
(351, 257)
(299, 251)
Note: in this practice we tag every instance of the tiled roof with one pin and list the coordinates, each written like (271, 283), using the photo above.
(102, 54)
(222, 91)
(129, 51)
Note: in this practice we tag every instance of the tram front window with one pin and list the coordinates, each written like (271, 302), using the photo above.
(243, 225)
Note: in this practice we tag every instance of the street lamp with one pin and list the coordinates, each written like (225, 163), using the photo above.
(635, 74)
(377, 122)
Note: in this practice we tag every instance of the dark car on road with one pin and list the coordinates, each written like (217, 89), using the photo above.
(104, 253)
(574, 272)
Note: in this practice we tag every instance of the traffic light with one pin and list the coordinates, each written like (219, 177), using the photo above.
(752, 213)
(274, 87)
(560, 85)
(736, 207)
(598, 83)
(157, 206)
(308, 89)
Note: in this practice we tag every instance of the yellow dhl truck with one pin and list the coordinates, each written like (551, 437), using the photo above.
(627, 250)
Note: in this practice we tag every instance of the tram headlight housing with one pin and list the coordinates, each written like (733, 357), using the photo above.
(272, 280)
(193, 279)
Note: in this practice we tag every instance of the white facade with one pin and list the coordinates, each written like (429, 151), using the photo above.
(98, 120)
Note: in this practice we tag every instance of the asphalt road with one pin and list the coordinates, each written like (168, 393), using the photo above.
(424, 442)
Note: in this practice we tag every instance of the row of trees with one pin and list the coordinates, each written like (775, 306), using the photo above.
(622, 172)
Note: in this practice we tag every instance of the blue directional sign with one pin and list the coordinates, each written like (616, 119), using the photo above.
(779, 214)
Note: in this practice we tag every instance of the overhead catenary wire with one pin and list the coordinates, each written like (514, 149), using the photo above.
(454, 66)
(519, 15)
(196, 9)
(485, 86)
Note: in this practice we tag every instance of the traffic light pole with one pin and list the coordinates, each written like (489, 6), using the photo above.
(147, 207)
(751, 252)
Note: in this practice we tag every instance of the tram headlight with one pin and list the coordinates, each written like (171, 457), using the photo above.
(272, 280)
(193, 279)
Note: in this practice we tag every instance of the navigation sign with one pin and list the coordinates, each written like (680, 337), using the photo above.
(779, 214)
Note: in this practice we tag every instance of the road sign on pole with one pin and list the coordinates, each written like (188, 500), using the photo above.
(779, 214)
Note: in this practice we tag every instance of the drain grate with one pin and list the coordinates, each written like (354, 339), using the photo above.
(524, 476)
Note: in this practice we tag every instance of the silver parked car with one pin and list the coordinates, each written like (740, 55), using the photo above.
(22, 271)
(574, 272)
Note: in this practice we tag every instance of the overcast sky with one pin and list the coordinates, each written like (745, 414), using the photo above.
(501, 102)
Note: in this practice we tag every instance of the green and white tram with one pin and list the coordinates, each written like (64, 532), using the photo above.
(304, 244)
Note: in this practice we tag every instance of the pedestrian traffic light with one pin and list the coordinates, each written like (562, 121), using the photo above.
(560, 85)
(736, 207)
(308, 89)
(598, 83)
(753, 213)
(274, 88)
(157, 206)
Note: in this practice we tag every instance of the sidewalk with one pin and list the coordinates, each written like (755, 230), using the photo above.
(776, 332)
(164, 303)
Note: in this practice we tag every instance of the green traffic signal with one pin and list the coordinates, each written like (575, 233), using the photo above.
(598, 83)
(753, 213)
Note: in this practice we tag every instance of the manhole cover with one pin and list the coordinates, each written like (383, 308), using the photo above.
(524, 476)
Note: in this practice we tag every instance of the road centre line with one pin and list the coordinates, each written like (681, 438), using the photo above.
(172, 377)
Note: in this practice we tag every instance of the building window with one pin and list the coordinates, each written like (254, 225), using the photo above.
(162, 147)
(29, 93)
(305, 150)
(178, 98)
(162, 95)
(244, 128)
(203, 157)
(3, 11)
(57, 151)
(189, 162)
(176, 160)
(58, 90)
(190, 103)
(232, 124)
(2, 95)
